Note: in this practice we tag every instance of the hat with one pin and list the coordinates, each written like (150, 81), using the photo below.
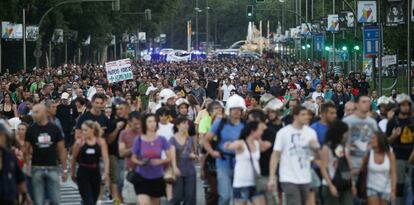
(65, 96)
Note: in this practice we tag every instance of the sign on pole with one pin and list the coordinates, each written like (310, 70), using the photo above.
(371, 40)
(32, 33)
(142, 36)
(57, 36)
(367, 11)
(11, 30)
(333, 23)
(395, 13)
(346, 20)
(319, 42)
(387, 60)
(119, 70)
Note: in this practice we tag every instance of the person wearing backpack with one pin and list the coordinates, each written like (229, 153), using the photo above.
(400, 136)
(335, 166)
(226, 130)
(380, 166)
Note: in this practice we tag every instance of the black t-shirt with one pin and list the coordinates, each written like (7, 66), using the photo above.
(44, 141)
(113, 147)
(211, 90)
(101, 119)
(268, 135)
(403, 145)
(66, 114)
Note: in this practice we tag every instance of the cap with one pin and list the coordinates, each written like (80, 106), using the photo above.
(65, 96)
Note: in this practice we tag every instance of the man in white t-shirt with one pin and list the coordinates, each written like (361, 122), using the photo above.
(292, 148)
(226, 89)
(318, 92)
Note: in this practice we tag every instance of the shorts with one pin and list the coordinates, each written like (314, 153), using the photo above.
(113, 169)
(151, 187)
(382, 195)
(128, 192)
(246, 193)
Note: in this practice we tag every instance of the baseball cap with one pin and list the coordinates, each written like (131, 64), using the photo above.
(65, 96)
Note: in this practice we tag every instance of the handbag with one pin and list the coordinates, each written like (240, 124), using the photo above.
(361, 184)
(260, 181)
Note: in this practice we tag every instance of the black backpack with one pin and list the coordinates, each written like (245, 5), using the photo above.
(343, 176)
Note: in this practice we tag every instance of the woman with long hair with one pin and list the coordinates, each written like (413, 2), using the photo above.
(87, 153)
(183, 147)
(147, 151)
(248, 149)
(193, 108)
(8, 107)
(381, 171)
(333, 158)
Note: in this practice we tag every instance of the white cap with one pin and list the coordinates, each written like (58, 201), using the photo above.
(65, 96)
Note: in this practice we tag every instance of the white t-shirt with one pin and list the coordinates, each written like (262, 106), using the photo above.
(317, 94)
(226, 91)
(295, 157)
(166, 131)
(383, 125)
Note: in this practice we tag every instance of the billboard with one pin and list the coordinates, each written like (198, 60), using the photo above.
(11, 31)
(395, 13)
(57, 36)
(32, 33)
(346, 20)
(367, 11)
(333, 23)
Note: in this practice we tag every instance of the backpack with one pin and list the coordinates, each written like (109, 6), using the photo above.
(343, 177)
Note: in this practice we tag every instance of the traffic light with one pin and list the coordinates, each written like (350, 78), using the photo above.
(327, 48)
(344, 48)
(116, 5)
(249, 11)
(303, 47)
(308, 45)
(356, 48)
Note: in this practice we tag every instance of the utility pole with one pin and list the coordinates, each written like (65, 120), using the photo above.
(24, 40)
(380, 51)
(196, 32)
(207, 26)
(333, 39)
(408, 48)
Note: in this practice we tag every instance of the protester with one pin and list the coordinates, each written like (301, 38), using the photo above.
(400, 136)
(295, 170)
(184, 148)
(12, 180)
(335, 164)
(87, 152)
(381, 171)
(46, 145)
(227, 130)
(126, 141)
(247, 149)
(147, 150)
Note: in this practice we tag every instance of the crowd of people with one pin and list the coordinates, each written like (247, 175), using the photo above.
(261, 131)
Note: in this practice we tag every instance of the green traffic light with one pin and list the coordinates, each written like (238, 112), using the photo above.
(344, 48)
(249, 14)
(303, 47)
(308, 45)
(356, 48)
(327, 48)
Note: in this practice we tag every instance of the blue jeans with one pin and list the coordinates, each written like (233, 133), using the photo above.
(224, 185)
(45, 178)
